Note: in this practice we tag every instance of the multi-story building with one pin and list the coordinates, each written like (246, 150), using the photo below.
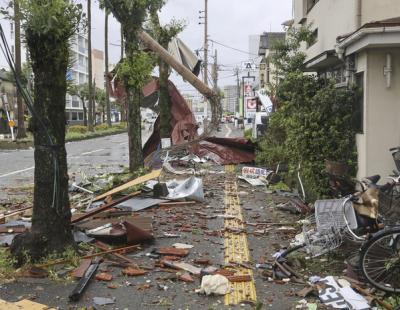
(230, 100)
(358, 42)
(78, 74)
(98, 68)
(268, 76)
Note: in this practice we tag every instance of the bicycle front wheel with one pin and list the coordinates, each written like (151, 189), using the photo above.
(380, 260)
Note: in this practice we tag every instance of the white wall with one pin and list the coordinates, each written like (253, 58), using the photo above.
(381, 114)
(335, 18)
(376, 10)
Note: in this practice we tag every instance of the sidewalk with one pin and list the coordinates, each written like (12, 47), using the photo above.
(227, 232)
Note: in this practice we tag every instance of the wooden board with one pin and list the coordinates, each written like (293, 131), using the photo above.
(144, 178)
(24, 304)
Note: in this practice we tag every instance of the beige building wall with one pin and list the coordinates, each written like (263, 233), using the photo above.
(375, 10)
(340, 17)
(381, 113)
(331, 18)
(98, 68)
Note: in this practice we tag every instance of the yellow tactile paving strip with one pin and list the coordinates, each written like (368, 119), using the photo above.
(235, 244)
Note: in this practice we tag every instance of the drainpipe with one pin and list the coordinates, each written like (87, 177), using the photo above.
(358, 14)
(387, 70)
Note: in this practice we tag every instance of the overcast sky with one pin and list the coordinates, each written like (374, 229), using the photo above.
(231, 22)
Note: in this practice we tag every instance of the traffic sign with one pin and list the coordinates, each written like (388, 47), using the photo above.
(249, 65)
(248, 89)
(11, 123)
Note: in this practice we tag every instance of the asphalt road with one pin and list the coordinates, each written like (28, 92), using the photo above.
(87, 157)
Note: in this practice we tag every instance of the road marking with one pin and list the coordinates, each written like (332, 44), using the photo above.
(229, 131)
(16, 172)
(123, 143)
(91, 152)
(235, 244)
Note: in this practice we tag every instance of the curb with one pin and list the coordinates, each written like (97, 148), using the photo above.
(23, 145)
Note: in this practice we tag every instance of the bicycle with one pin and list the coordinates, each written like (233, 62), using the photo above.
(377, 233)
(380, 250)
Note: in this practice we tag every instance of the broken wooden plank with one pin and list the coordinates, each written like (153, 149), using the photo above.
(104, 207)
(144, 178)
(240, 278)
(105, 247)
(182, 266)
(172, 251)
(80, 271)
(15, 212)
(61, 260)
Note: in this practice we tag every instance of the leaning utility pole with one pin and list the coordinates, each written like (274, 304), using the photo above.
(187, 75)
(91, 101)
(17, 36)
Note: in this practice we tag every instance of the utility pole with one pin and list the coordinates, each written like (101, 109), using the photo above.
(91, 101)
(215, 72)
(21, 119)
(205, 61)
(206, 42)
(237, 109)
(106, 66)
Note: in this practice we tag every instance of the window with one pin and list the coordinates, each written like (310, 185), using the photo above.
(74, 116)
(313, 38)
(82, 45)
(80, 116)
(358, 114)
(68, 101)
(75, 102)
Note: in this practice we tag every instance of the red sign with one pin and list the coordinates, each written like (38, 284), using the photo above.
(248, 89)
(251, 103)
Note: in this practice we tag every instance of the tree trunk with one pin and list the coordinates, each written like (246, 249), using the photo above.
(94, 103)
(164, 101)
(122, 43)
(51, 218)
(134, 130)
(20, 106)
(85, 123)
(91, 115)
(106, 66)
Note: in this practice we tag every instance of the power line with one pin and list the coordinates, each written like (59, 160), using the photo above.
(233, 48)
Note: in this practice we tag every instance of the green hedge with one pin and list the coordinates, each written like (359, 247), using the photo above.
(77, 129)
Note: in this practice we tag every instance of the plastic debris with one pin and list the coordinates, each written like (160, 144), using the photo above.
(191, 189)
(182, 246)
(214, 284)
(102, 301)
(341, 297)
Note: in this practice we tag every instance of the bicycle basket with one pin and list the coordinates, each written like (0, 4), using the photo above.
(320, 240)
(330, 213)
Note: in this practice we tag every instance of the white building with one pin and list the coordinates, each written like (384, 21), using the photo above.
(78, 74)
(230, 100)
(268, 40)
(358, 41)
